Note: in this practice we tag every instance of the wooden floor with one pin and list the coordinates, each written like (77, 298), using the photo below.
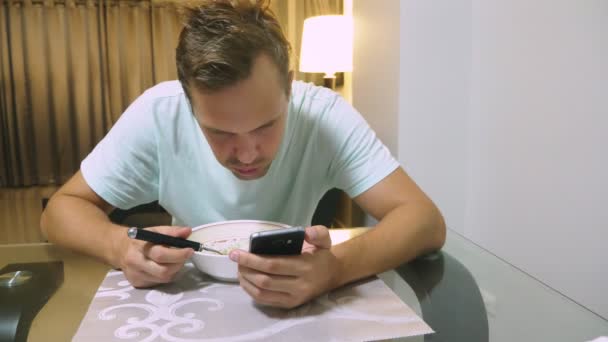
(20, 210)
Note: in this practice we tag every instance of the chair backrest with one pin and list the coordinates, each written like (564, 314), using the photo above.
(145, 215)
(153, 214)
(327, 209)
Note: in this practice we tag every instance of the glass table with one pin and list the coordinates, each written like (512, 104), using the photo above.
(463, 292)
(466, 293)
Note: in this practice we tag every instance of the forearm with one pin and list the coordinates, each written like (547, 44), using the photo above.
(403, 234)
(79, 225)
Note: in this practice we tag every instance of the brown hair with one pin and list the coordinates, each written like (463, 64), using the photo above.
(222, 38)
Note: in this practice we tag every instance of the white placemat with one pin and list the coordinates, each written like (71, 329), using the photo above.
(197, 308)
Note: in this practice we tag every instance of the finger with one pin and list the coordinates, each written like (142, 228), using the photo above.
(318, 236)
(140, 279)
(134, 271)
(265, 297)
(268, 281)
(280, 265)
(158, 272)
(180, 232)
(161, 273)
(165, 255)
(143, 271)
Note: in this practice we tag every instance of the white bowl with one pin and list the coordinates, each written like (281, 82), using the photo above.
(220, 266)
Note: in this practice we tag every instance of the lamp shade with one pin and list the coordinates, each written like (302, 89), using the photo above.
(327, 44)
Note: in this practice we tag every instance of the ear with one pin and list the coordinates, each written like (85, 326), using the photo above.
(289, 81)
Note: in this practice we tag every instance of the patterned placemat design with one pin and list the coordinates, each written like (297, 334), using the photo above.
(197, 308)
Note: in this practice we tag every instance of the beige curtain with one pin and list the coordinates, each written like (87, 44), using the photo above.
(67, 71)
(69, 68)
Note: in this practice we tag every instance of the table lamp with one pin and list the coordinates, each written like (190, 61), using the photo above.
(327, 46)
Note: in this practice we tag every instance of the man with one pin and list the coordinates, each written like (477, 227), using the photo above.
(269, 149)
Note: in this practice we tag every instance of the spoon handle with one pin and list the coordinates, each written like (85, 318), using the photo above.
(162, 239)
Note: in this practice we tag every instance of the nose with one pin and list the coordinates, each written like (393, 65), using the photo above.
(246, 150)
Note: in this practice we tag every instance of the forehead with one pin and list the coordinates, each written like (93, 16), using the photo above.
(237, 112)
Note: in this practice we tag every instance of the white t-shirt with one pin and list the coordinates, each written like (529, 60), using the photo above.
(157, 151)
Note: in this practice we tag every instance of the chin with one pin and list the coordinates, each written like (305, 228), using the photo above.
(246, 178)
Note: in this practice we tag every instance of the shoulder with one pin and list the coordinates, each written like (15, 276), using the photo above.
(318, 103)
(323, 119)
(158, 97)
(162, 101)
(157, 106)
(310, 93)
(323, 106)
(165, 89)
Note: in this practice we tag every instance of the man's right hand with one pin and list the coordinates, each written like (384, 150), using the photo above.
(146, 264)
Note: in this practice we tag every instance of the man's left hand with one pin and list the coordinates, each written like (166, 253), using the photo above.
(288, 281)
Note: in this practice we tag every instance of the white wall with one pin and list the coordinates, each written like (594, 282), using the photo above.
(435, 49)
(538, 165)
(375, 80)
(500, 112)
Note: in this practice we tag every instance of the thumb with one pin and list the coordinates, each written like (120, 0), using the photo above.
(180, 232)
(318, 236)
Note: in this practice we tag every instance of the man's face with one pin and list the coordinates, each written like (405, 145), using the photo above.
(244, 123)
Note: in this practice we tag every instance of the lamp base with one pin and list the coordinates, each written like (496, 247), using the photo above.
(329, 82)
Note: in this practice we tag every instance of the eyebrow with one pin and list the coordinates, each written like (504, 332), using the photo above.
(268, 123)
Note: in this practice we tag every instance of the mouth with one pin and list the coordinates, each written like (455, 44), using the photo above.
(246, 171)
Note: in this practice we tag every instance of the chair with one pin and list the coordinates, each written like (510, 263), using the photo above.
(327, 209)
(145, 215)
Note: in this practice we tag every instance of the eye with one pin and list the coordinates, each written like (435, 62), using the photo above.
(218, 133)
(266, 126)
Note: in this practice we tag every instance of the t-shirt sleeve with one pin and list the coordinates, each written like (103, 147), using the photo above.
(123, 168)
(360, 160)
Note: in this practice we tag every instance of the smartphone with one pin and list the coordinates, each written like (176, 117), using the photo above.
(284, 241)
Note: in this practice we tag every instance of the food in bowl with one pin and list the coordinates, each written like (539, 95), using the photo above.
(225, 246)
(225, 236)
